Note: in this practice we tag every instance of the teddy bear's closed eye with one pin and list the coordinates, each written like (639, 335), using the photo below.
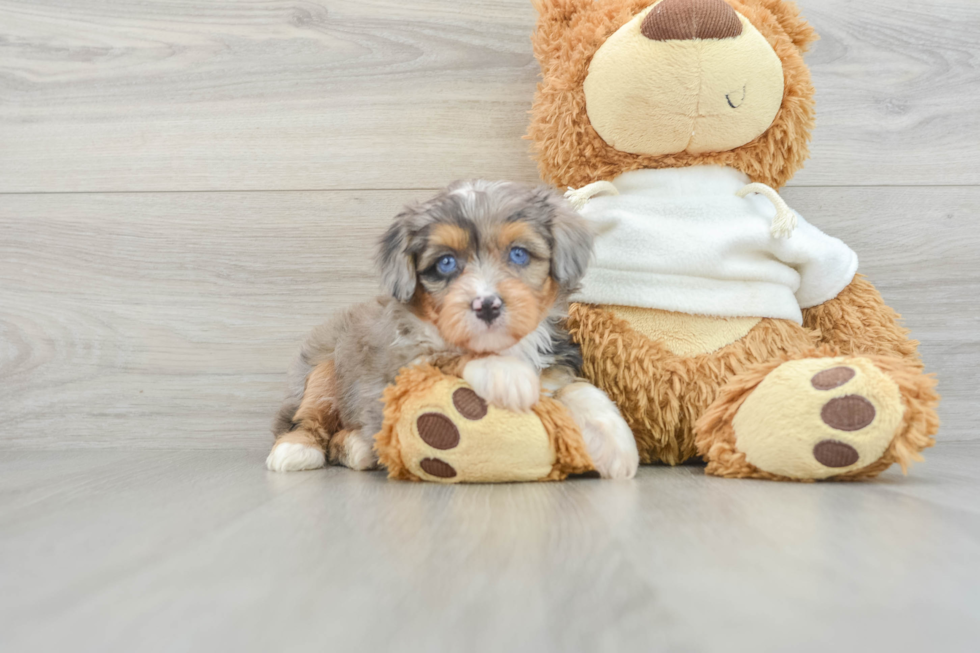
(735, 98)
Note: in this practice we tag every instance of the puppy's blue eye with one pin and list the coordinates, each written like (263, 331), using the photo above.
(446, 265)
(519, 256)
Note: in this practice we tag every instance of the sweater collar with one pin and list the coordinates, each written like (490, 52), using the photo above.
(693, 180)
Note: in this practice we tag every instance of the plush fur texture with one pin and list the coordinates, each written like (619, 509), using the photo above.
(567, 148)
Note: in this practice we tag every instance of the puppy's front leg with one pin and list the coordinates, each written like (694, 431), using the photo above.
(504, 381)
(296, 451)
(607, 436)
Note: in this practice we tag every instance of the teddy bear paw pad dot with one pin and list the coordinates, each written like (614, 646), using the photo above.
(816, 418)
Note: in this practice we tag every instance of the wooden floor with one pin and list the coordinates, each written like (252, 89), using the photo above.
(187, 187)
(206, 551)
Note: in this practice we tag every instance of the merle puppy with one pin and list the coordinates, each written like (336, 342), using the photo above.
(477, 282)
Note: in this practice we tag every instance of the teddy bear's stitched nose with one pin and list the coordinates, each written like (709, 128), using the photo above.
(678, 20)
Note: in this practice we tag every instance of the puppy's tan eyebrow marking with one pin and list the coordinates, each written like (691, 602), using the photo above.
(451, 236)
(523, 234)
(511, 232)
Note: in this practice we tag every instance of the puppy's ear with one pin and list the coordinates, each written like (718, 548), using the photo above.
(573, 240)
(395, 261)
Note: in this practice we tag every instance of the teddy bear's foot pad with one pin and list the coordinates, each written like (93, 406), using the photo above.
(437, 428)
(439, 432)
(451, 435)
(819, 417)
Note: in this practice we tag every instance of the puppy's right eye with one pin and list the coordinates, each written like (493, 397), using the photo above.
(446, 264)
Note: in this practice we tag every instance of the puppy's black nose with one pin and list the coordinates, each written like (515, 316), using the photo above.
(487, 308)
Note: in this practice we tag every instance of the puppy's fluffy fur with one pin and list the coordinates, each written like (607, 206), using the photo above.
(477, 282)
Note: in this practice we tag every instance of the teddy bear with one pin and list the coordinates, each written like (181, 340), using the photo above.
(722, 324)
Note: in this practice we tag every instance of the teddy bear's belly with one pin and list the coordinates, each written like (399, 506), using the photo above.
(683, 334)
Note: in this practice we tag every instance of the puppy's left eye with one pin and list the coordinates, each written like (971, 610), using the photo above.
(519, 256)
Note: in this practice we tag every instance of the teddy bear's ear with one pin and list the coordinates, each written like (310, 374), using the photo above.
(550, 38)
(787, 14)
(567, 30)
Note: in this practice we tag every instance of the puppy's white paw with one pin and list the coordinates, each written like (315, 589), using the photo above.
(359, 453)
(504, 381)
(607, 436)
(294, 457)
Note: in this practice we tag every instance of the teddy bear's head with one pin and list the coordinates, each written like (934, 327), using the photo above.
(631, 84)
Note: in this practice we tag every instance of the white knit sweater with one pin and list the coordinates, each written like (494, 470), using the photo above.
(680, 239)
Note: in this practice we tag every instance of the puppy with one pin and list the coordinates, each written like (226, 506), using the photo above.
(477, 282)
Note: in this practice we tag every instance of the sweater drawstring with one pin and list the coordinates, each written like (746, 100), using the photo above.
(578, 198)
(785, 221)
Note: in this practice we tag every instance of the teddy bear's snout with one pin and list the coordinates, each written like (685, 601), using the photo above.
(679, 20)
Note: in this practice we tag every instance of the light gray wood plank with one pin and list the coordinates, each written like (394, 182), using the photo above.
(342, 94)
(897, 85)
(168, 319)
(205, 550)
(214, 95)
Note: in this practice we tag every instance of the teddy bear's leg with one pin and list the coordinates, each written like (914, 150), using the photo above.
(436, 428)
(660, 393)
(857, 321)
(819, 417)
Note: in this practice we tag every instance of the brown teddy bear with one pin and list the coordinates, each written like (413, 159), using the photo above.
(722, 324)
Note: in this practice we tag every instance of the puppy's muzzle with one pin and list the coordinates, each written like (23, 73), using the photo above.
(487, 308)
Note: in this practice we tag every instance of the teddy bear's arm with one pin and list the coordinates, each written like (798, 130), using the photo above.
(857, 321)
